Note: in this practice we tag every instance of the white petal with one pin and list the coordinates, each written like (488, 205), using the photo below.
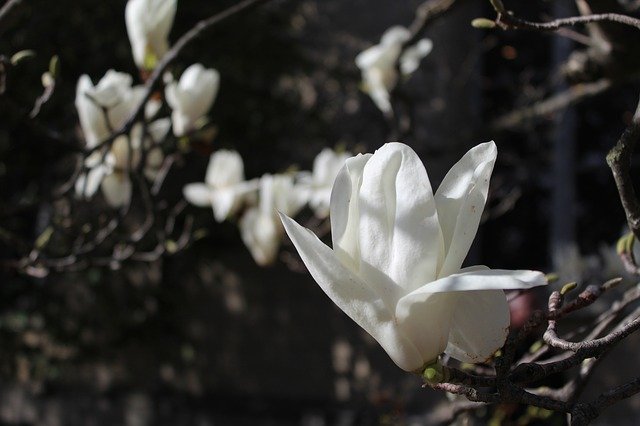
(181, 123)
(225, 202)
(369, 57)
(116, 189)
(410, 59)
(192, 97)
(426, 321)
(381, 97)
(134, 11)
(89, 182)
(163, 14)
(344, 212)
(173, 95)
(489, 279)
(148, 25)
(460, 200)
(262, 234)
(352, 296)
(92, 119)
(159, 129)
(225, 168)
(395, 35)
(400, 236)
(197, 194)
(480, 325)
(129, 100)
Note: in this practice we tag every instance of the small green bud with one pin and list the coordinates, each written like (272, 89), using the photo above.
(568, 287)
(483, 23)
(150, 60)
(43, 239)
(552, 277)
(171, 246)
(434, 372)
(625, 243)
(497, 5)
(54, 66)
(536, 346)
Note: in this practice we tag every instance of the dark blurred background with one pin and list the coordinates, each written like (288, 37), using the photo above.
(206, 336)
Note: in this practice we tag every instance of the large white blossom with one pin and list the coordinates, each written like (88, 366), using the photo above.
(260, 227)
(395, 267)
(379, 64)
(319, 182)
(192, 97)
(149, 23)
(224, 187)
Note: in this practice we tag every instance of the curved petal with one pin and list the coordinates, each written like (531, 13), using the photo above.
(410, 59)
(162, 16)
(92, 119)
(225, 168)
(135, 29)
(489, 279)
(173, 95)
(399, 233)
(262, 235)
(225, 202)
(344, 213)
(426, 321)
(352, 296)
(479, 326)
(180, 123)
(202, 87)
(381, 97)
(395, 35)
(460, 200)
(159, 129)
(197, 194)
(368, 58)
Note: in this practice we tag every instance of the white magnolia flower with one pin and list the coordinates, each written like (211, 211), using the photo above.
(192, 97)
(115, 95)
(224, 187)
(395, 267)
(260, 227)
(378, 64)
(318, 184)
(148, 25)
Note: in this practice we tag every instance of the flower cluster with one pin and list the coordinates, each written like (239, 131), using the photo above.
(106, 107)
(257, 201)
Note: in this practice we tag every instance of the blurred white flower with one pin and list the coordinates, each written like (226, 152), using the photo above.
(149, 23)
(224, 187)
(192, 97)
(395, 267)
(110, 169)
(106, 106)
(260, 227)
(319, 182)
(378, 64)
